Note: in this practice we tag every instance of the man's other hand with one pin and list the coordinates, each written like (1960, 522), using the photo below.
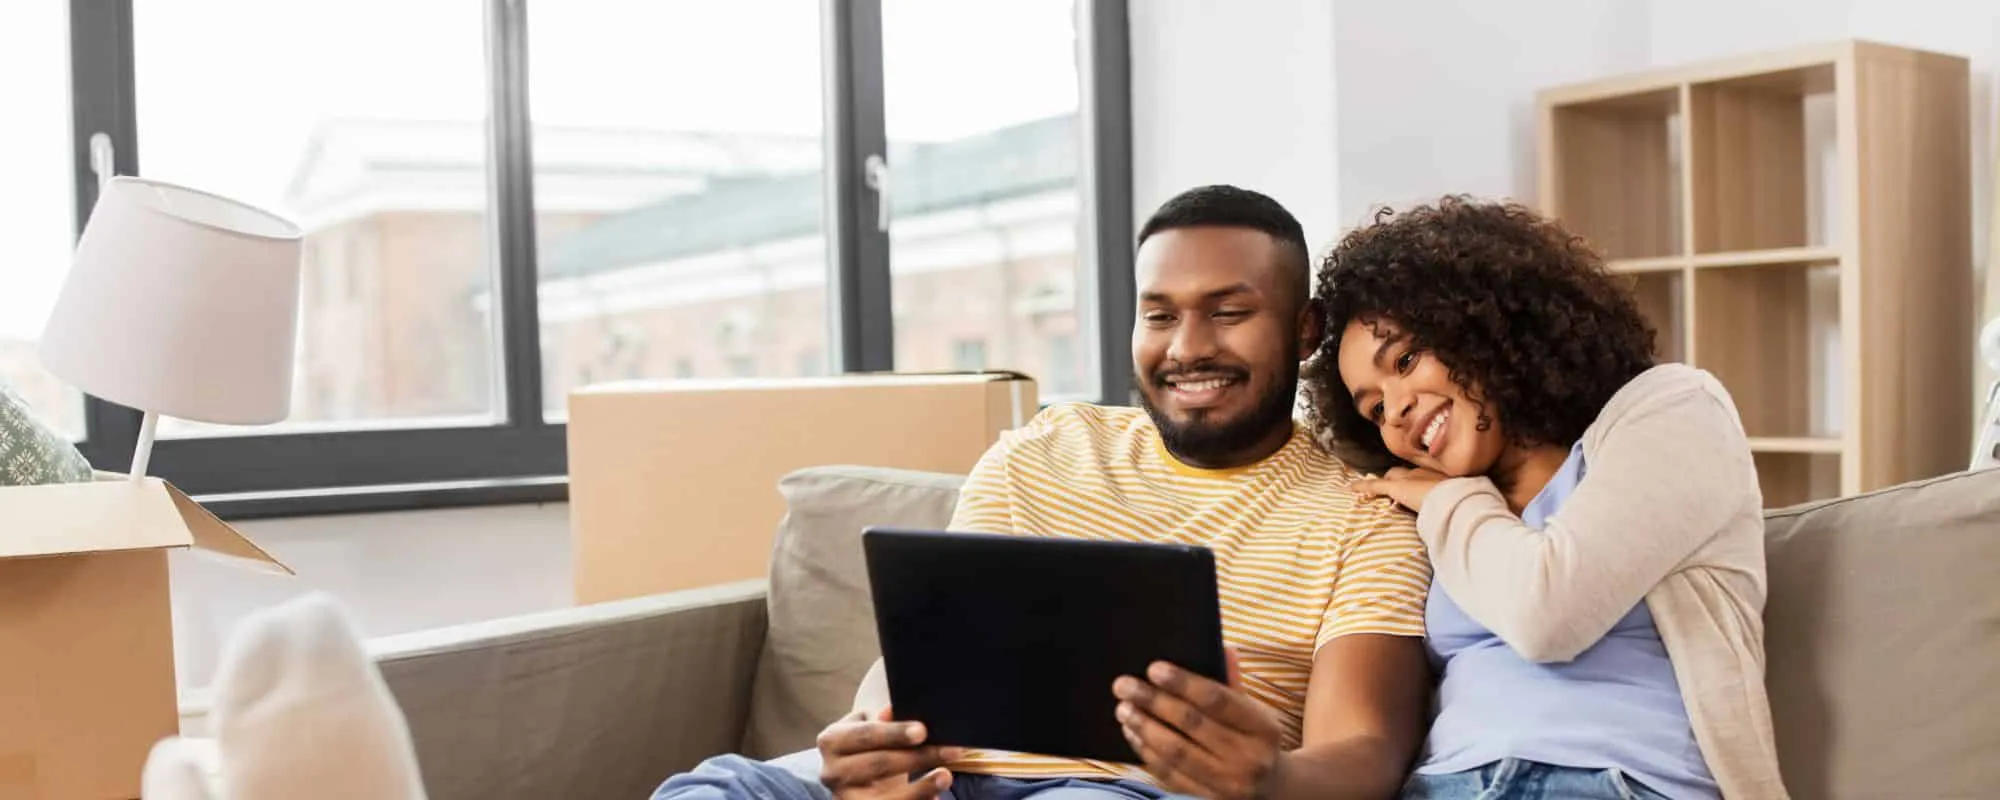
(869, 757)
(1200, 737)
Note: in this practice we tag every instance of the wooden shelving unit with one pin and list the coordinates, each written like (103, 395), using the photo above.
(1799, 224)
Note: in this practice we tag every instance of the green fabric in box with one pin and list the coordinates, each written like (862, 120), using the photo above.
(30, 451)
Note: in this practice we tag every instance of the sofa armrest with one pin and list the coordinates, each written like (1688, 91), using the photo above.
(605, 700)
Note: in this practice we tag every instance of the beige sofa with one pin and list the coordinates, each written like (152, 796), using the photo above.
(1884, 632)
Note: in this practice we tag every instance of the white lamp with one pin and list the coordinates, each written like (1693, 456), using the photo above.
(181, 303)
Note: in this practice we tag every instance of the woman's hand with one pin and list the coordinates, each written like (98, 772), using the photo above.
(1408, 487)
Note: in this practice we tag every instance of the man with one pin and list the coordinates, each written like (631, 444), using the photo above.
(1322, 595)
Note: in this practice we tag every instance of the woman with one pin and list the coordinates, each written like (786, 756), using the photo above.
(1593, 519)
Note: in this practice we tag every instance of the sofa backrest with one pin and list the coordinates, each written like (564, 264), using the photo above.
(603, 700)
(821, 638)
(1883, 641)
(1883, 626)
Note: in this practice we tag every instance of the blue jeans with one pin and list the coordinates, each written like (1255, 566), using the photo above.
(1514, 779)
(734, 777)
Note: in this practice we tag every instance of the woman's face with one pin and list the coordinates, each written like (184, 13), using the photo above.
(1409, 396)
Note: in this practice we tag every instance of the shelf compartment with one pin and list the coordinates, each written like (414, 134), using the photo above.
(1792, 478)
(1771, 334)
(1762, 151)
(1662, 297)
(1616, 179)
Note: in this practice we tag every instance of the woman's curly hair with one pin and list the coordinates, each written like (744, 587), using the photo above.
(1522, 313)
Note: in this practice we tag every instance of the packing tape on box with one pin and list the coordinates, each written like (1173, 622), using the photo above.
(1020, 402)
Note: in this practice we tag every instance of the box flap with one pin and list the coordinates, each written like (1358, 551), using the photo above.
(114, 513)
(215, 537)
(69, 518)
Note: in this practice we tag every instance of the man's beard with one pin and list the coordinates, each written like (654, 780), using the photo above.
(1203, 441)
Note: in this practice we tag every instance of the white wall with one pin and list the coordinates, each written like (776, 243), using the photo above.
(396, 572)
(1438, 97)
(1693, 30)
(1240, 92)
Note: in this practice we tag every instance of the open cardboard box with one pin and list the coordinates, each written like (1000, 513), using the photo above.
(86, 631)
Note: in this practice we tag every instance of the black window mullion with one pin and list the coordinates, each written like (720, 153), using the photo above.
(512, 218)
(102, 102)
(1107, 189)
(862, 328)
(317, 460)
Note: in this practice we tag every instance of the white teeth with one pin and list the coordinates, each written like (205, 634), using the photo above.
(1202, 386)
(1432, 430)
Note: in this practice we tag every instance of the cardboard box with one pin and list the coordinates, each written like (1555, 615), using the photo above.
(86, 632)
(673, 484)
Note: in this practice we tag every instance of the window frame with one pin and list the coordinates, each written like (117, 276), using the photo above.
(522, 457)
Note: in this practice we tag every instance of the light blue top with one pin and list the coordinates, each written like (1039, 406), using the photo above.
(1615, 706)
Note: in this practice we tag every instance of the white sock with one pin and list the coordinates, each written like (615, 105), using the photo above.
(301, 713)
(178, 769)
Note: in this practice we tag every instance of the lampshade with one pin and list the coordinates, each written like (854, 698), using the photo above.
(180, 303)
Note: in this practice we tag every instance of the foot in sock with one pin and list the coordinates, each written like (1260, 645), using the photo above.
(179, 769)
(301, 713)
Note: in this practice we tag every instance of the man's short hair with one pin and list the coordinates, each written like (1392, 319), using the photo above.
(1221, 205)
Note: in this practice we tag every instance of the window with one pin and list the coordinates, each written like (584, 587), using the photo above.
(679, 193)
(1065, 373)
(811, 364)
(35, 211)
(382, 160)
(507, 200)
(968, 355)
(981, 103)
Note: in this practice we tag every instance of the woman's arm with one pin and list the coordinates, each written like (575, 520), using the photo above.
(1671, 470)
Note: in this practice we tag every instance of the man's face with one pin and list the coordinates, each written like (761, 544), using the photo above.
(1216, 345)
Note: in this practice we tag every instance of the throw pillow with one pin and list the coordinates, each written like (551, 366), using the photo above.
(30, 451)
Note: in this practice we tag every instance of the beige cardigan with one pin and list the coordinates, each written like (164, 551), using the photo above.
(1669, 511)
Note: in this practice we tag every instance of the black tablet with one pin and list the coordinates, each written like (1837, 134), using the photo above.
(1012, 642)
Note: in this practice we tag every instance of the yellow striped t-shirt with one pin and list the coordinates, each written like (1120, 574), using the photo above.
(1299, 560)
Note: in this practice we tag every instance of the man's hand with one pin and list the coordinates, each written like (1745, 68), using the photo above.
(869, 757)
(1200, 737)
(1408, 487)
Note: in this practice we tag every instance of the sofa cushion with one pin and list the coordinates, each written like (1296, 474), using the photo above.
(822, 622)
(1883, 638)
